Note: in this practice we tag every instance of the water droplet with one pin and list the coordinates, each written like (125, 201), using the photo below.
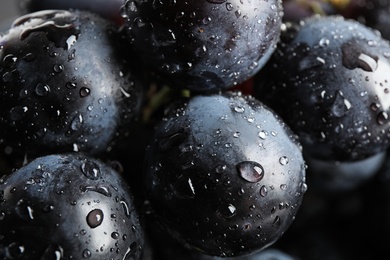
(251, 171)
(382, 118)
(367, 62)
(304, 187)
(263, 134)
(76, 123)
(72, 55)
(324, 42)
(24, 210)
(53, 252)
(283, 186)
(375, 106)
(58, 68)
(238, 13)
(340, 105)
(86, 253)
(229, 6)
(14, 251)
(84, 92)
(71, 85)
(71, 41)
(220, 168)
(372, 43)
(227, 211)
(115, 235)
(91, 170)
(9, 60)
(253, 65)
(283, 160)
(239, 109)
(354, 57)
(236, 134)
(42, 89)
(206, 20)
(95, 218)
(263, 191)
(201, 51)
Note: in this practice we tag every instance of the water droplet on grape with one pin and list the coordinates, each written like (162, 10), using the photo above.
(42, 89)
(227, 211)
(86, 253)
(71, 85)
(91, 170)
(115, 235)
(14, 250)
(353, 57)
(53, 252)
(84, 92)
(250, 171)
(263, 134)
(76, 123)
(263, 191)
(95, 218)
(382, 118)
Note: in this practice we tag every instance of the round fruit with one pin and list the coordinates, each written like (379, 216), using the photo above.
(224, 174)
(66, 84)
(203, 45)
(334, 90)
(68, 207)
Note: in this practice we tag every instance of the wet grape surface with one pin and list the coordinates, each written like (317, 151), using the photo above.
(199, 130)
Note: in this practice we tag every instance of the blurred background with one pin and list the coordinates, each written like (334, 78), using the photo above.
(8, 10)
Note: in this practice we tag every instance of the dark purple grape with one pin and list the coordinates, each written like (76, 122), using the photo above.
(224, 174)
(68, 206)
(203, 45)
(65, 84)
(328, 79)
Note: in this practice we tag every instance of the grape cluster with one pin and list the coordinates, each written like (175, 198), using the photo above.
(201, 129)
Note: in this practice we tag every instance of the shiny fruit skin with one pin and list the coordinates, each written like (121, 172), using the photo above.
(334, 90)
(57, 92)
(203, 45)
(224, 174)
(68, 206)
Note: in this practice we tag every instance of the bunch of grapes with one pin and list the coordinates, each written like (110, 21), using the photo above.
(200, 129)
